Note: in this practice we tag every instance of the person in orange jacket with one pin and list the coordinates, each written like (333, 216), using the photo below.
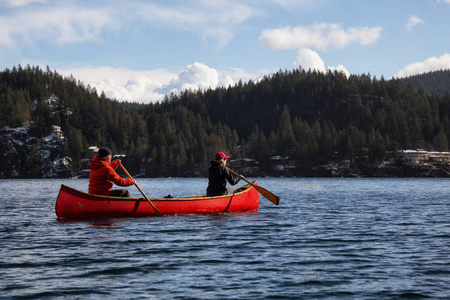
(103, 175)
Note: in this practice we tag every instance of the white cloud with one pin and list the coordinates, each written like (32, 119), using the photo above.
(210, 19)
(195, 76)
(123, 84)
(226, 82)
(69, 22)
(310, 60)
(59, 26)
(413, 21)
(17, 3)
(444, 1)
(138, 89)
(429, 65)
(319, 36)
(340, 68)
(237, 74)
(290, 4)
(151, 86)
(92, 75)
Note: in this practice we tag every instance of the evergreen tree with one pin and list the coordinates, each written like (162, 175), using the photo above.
(286, 138)
(440, 141)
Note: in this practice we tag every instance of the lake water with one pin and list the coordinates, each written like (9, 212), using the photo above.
(328, 239)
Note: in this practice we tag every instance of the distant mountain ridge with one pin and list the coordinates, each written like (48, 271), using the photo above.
(436, 82)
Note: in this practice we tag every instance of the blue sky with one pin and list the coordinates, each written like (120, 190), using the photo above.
(138, 50)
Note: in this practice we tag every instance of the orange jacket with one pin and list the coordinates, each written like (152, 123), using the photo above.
(103, 175)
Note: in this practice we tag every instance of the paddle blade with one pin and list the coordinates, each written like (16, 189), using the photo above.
(273, 198)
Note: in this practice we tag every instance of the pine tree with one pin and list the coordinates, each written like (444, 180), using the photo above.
(440, 142)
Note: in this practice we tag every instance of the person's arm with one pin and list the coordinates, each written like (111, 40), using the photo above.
(114, 177)
(230, 177)
(115, 164)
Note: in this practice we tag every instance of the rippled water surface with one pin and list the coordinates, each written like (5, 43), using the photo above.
(329, 238)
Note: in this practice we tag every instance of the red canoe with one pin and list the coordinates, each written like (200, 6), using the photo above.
(75, 205)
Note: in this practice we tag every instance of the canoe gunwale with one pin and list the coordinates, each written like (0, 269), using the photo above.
(241, 190)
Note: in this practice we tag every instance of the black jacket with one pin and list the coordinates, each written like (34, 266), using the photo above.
(218, 176)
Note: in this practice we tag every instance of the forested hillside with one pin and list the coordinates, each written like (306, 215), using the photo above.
(309, 117)
(437, 82)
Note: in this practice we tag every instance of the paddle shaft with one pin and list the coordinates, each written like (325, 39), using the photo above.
(268, 195)
(158, 213)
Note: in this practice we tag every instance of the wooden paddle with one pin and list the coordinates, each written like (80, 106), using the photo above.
(158, 213)
(270, 196)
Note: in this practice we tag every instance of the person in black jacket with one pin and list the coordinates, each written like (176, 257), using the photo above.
(218, 175)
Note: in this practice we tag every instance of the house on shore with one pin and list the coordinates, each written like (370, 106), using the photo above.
(421, 157)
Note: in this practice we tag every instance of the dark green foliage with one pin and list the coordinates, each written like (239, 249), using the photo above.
(437, 82)
(308, 116)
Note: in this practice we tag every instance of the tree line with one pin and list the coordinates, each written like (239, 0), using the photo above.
(436, 82)
(308, 116)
